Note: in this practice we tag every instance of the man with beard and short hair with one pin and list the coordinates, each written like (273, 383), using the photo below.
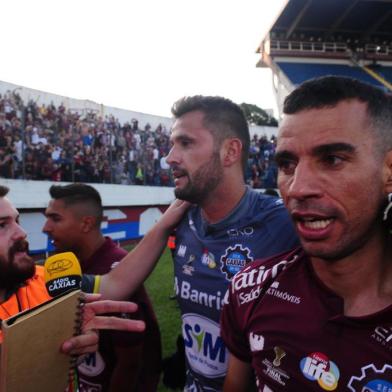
(322, 318)
(124, 362)
(230, 226)
(22, 285)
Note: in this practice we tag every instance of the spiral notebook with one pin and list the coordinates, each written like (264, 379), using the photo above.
(31, 360)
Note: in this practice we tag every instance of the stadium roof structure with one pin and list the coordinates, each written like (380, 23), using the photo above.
(363, 21)
(312, 38)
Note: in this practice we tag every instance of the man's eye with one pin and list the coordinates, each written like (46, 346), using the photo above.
(286, 166)
(332, 160)
(185, 143)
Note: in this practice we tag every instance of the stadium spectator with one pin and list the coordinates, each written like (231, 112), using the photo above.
(96, 149)
(298, 327)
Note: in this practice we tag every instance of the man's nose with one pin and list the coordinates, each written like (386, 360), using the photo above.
(304, 183)
(172, 157)
(46, 228)
(19, 232)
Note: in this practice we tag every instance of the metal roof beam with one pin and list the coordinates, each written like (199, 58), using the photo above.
(343, 16)
(376, 25)
(297, 19)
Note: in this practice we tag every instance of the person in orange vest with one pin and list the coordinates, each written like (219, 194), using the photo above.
(22, 286)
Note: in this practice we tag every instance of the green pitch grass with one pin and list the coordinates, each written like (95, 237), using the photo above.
(160, 287)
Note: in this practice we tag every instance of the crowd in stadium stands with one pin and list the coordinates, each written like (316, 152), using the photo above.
(64, 145)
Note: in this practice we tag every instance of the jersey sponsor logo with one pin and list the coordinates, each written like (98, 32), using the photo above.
(383, 335)
(92, 365)
(256, 342)
(244, 298)
(204, 348)
(284, 295)
(317, 367)
(181, 250)
(188, 268)
(242, 232)
(272, 369)
(234, 259)
(372, 379)
(208, 259)
(186, 292)
(250, 277)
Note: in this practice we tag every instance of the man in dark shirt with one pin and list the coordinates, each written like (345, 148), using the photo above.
(320, 317)
(22, 286)
(125, 361)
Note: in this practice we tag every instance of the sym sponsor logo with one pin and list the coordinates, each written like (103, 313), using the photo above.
(204, 348)
(317, 367)
(92, 365)
(284, 295)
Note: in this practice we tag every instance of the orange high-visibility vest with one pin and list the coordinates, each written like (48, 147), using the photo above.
(33, 293)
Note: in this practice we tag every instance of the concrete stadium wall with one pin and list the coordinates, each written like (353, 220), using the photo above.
(129, 211)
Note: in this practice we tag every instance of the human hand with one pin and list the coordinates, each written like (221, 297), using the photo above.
(174, 214)
(87, 342)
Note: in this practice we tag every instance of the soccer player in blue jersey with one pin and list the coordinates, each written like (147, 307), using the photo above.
(229, 226)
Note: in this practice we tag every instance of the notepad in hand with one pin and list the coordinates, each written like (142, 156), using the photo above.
(31, 360)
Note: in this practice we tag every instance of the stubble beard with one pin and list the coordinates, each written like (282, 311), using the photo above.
(12, 272)
(205, 180)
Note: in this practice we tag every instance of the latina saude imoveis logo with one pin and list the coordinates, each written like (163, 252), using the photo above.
(317, 367)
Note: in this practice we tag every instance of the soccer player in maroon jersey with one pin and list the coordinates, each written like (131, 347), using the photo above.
(320, 318)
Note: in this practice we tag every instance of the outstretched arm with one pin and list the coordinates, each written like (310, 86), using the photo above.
(134, 268)
(88, 341)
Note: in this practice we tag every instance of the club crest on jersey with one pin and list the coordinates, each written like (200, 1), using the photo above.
(372, 379)
(234, 259)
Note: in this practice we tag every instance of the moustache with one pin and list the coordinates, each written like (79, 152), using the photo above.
(18, 246)
(178, 171)
(310, 206)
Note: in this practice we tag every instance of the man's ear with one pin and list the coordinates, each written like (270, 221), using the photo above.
(388, 172)
(88, 223)
(231, 151)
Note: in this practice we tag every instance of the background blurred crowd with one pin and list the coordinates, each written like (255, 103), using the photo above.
(45, 142)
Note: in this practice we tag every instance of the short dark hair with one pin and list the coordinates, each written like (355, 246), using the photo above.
(4, 190)
(78, 193)
(222, 117)
(328, 91)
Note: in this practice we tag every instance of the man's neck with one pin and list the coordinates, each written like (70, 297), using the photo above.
(222, 202)
(363, 279)
(89, 247)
